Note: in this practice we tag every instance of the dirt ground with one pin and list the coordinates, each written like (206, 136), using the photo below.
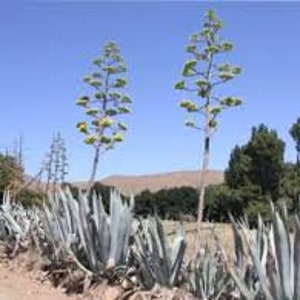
(16, 285)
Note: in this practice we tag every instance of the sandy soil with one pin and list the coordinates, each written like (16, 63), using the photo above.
(15, 285)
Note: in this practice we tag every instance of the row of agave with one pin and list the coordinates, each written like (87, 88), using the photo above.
(115, 244)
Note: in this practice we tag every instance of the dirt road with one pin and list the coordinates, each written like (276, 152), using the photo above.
(16, 285)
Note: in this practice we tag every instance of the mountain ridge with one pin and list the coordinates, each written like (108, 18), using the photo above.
(135, 184)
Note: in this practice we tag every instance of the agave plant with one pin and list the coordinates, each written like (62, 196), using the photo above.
(243, 264)
(159, 261)
(208, 278)
(95, 240)
(15, 225)
(59, 224)
(274, 260)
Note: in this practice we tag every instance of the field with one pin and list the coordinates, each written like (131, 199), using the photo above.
(222, 232)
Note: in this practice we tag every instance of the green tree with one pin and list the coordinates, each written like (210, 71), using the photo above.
(173, 203)
(290, 185)
(202, 75)
(266, 151)
(221, 199)
(106, 104)
(30, 197)
(295, 133)
(236, 174)
(11, 174)
(259, 163)
(145, 203)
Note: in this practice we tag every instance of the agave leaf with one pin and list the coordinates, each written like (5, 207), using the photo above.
(154, 253)
(13, 223)
(55, 219)
(178, 249)
(66, 211)
(100, 219)
(67, 199)
(283, 253)
(211, 280)
(50, 228)
(84, 232)
(297, 261)
(157, 256)
(122, 237)
(272, 273)
(115, 207)
(16, 229)
(56, 216)
(261, 273)
(238, 243)
(120, 228)
(164, 246)
(73, 209)
(128, 220)
(262, 242)
(243, 288)
(145, 268)
(145, 271)
(210, 272)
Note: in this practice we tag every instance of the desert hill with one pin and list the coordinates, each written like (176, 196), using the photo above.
(133, 185)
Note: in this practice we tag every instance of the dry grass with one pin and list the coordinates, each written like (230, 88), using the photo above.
(210, 232)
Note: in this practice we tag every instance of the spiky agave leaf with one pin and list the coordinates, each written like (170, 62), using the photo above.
(102, 226)
(177, 256)
(142, 250)
(121, 216)
(238, 243)
(208, 279)
(59, 223)
(95, 240)
(17, 224)
(160, 261)
(297, 260)
(251, 250)
(275, 259)
(282, 257)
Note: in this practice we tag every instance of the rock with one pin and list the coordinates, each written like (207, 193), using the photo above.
(106, 292)
(163, 293)
(127, 284)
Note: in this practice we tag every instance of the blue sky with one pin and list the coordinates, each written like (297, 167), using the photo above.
(47, 48)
